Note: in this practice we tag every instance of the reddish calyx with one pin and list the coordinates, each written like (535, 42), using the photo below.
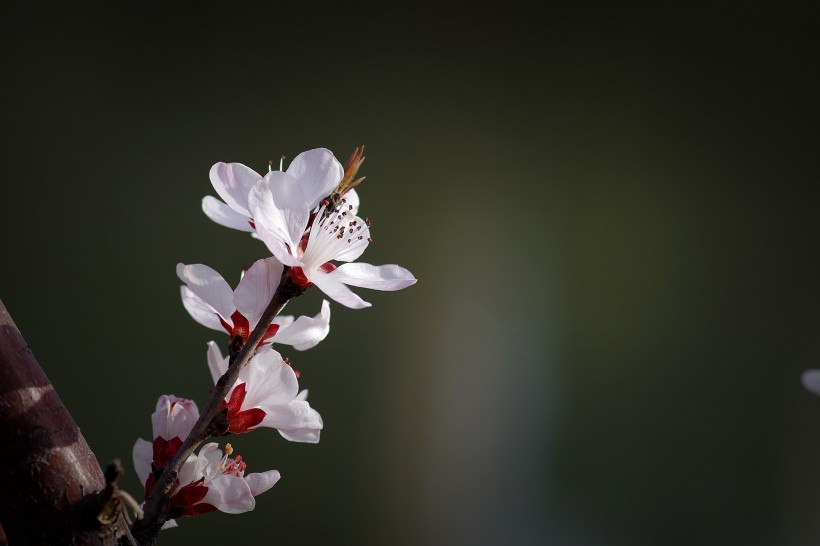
(240, 420)
(164, 450)
(240, 330)
(185, 502)
(299, 278)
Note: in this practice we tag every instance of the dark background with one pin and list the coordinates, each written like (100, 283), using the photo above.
(612, 213)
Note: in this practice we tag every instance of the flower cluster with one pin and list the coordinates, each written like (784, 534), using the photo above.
(307, 217)
(207, 481)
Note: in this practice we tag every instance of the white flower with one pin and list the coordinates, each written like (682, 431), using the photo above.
(308, 240)
(266, 394)
(281, 209)
(174, 417)
(311, 177)
(171, 422)
(211, 302)
(207, 481)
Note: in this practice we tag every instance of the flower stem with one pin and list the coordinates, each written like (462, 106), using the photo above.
(156, 505)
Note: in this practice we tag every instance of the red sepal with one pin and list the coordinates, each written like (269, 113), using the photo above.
(269, 333)
(299, 278)
(240, 421)
(201, 508)
(188, 496)
(165, 449)
(241, 328)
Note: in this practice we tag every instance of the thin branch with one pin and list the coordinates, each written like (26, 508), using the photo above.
(156, 505)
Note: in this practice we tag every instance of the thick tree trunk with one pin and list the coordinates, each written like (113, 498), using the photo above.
(51, 486)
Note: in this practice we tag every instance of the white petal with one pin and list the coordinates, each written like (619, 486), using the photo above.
(377, 277)
(355, 246)
(187, 472)
(208, 463)
(283, 320)
(224, 215)
(174, 417)
(296, 421)
(199, 310)
(208, 285)
(233, 181)
(143, 454)
(288, 198)
(336, 290)
(217, 364)
(271, 225)
(230, 494)
(303, 436)
(255, 290)
(182, 417)
(338, 236)
(318, 172)
(278, 248)
(259, 482)
(170, 524)
(811, 381)
(352, 202)
(306, 332)
(269, 382)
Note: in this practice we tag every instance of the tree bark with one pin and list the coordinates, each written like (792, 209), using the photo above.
(51, 486)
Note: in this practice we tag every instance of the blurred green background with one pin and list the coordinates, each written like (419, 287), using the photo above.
(612, 213)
